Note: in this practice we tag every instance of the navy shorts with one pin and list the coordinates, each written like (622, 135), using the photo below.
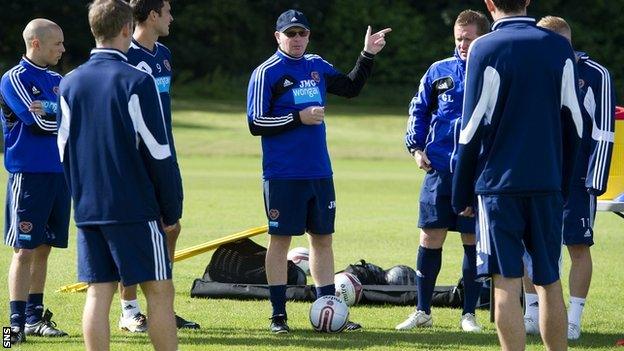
(509, 225)
(130, 252)
(296, 206)
(37, 210)
(579, 213)
(435, 210)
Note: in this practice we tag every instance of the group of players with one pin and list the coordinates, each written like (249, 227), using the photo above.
(497, 128)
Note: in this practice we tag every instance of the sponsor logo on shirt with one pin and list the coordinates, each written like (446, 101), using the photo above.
(35, 91)
(49, 107)
(163, 84)
(273, 224)
(287, 83)
(307, 92)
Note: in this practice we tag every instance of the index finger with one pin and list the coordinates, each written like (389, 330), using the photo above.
(384, 31)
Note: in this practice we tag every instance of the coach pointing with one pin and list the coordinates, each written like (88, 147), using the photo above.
(286, 107)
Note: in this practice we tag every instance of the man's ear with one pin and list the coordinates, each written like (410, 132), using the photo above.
(490, 5)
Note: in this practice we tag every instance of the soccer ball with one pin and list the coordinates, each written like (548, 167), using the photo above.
(329, 314)
(348, 288)
(401, 275)
(301, 257)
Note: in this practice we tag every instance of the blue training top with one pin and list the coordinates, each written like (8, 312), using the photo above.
(114, 146)
(598, 100)
(522, 122)
(435, 113)
(29, 139)
(281, 87)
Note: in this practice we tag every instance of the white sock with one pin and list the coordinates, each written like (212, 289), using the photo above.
(532, 306)
(576, 310)
(129, 308)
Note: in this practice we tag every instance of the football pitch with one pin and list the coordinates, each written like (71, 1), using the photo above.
(377, 187)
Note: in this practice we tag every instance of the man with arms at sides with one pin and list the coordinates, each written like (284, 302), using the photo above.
(432, 133)
(116, 155)
(286, 106)
(153, 18)
(521, 128)
(590, 180)
(38, 201)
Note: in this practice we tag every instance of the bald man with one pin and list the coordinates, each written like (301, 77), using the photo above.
(37, 200)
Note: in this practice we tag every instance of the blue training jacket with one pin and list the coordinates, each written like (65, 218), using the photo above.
(522, 122)
(435, 113)
(281, 87)
(113, 144)
(598, 102)
(29, 139)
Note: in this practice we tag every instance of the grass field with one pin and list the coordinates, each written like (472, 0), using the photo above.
(377, 191)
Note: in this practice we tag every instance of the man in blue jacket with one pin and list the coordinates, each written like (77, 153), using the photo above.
(521, 128)
(286, 106)
(589, 180)
(38, 201)
(116, 155)
(431, 138)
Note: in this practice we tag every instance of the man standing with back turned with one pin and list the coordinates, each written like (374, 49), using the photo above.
(115, 151)
(153, 18)
(590, 179)
(521, 129)
(38, 201)
(286, 106)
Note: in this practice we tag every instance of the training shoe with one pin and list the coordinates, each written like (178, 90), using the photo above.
(574, 331)
(416, 319)
(17, 335)
(351, 326)
(468, 323)
(531, 326)
(182, 323)
(45, 327)
(279, 325)
(136, 324)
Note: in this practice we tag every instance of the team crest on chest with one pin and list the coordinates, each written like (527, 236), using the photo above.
(55, 90)
(581, 83)
(315, 75)
(167, 65)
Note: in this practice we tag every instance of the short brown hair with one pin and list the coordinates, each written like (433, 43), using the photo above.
(142, 8)
(510, 6)
(108, 17)
(556, 24)
(468, 17)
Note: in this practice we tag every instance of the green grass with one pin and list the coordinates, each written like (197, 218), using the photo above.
(377, 189)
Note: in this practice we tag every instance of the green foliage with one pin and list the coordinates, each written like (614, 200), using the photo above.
(216, 43)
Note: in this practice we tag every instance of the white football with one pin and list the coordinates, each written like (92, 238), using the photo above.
(329, 314)
(348, 288)
(301, 257)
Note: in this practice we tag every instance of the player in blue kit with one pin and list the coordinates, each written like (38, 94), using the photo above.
(431, 138)
(286, 107)
(153, 18)
(115, 150)
(38, 201)
(590, 179)
(521, 128)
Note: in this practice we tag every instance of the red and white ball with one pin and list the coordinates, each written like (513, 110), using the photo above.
(329, 314)
(301, 257)
(348, 288)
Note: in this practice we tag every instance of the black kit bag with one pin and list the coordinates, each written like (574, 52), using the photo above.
(242, 261)
(367, 273)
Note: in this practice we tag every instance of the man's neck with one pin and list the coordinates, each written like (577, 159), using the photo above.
(30, 55)
(146, 37)
(116, 43)
(500, 15)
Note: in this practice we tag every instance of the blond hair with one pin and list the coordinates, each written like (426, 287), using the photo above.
(557, 25)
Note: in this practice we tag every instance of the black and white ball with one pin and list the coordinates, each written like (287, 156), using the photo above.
(348, 288)
(329, 314)
(301, 257)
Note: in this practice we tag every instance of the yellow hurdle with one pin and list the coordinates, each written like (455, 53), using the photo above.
(615, 185)
(187, 253)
